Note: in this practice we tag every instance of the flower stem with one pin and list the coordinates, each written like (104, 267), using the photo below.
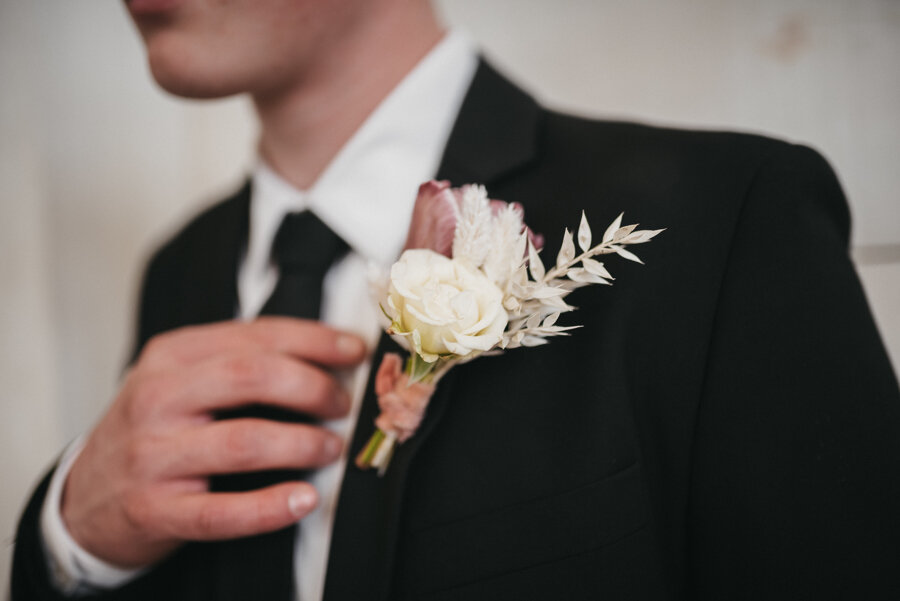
(365, 457)
(418, 369)
(384, 453)
(378, 452)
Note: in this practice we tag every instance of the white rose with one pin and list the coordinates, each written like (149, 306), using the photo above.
(443, 306)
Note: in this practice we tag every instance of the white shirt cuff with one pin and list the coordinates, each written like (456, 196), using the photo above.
(74, 571)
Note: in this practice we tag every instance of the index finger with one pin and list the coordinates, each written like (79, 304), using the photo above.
(220, 515)
(302, 338)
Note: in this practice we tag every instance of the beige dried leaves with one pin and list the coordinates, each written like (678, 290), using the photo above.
(535, 303)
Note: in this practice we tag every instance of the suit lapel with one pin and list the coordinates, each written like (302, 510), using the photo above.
(193, 280)
(210, 284)
(494, 135)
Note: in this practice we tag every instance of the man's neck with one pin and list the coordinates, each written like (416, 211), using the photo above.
(304, 126)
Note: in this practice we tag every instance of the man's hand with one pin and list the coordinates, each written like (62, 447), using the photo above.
(140, 487)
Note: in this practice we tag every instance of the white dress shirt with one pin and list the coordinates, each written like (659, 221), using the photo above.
(366, 196)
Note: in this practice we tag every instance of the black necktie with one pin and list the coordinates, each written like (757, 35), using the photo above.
(304, 249)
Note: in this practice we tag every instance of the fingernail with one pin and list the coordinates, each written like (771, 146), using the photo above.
(350, 346)
(301, 501)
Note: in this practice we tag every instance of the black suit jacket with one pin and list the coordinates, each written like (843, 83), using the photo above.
(726, 425)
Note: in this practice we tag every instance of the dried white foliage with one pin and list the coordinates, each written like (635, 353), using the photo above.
(534, 304)
(499, 245)
(506, 245)
(474, 228)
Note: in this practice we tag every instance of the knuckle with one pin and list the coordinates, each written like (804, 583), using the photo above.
(145, 397)
(210, 519)
(155, 348)
(323, 452)
(258, 331)
(322, 386)
(265, 512)
(243, 446)
(244, 372)
(307, 445)
(139, 458)
(312, 448)
(329, 396)
(137, 509)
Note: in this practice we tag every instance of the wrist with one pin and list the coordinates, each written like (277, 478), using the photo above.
(73, 570)
(101, 529)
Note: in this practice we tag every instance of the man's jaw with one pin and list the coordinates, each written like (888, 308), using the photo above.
(152, 7)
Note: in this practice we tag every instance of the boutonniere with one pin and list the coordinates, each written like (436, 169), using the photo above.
(470, 282)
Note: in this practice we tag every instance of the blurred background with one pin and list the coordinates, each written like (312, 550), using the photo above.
(97, 165)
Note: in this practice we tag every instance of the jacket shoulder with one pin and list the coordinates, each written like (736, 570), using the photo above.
(656, 145)
(201, 229)
(675, 173)
(198, 262)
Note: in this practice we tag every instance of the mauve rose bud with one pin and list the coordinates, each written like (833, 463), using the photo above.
(537, 240)
(434, 218)
(435, 215)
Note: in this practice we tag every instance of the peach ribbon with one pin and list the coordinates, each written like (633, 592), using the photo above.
(402, 404)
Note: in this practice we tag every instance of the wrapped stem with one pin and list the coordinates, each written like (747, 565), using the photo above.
(378, 452)
(402, 401)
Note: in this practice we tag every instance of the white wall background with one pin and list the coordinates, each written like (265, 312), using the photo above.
(96, 165)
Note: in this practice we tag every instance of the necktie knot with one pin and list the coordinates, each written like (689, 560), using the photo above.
(303, 249)
(304, 244)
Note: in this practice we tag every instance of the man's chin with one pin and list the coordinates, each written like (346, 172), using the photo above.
(201, 84)
(188, 64)
(198, 90)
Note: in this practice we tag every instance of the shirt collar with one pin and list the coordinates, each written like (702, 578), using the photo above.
(367, 192)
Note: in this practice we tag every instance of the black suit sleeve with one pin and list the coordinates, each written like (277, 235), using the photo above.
(187, 574)
(30, 577)
(795, 490)
(172, 578)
